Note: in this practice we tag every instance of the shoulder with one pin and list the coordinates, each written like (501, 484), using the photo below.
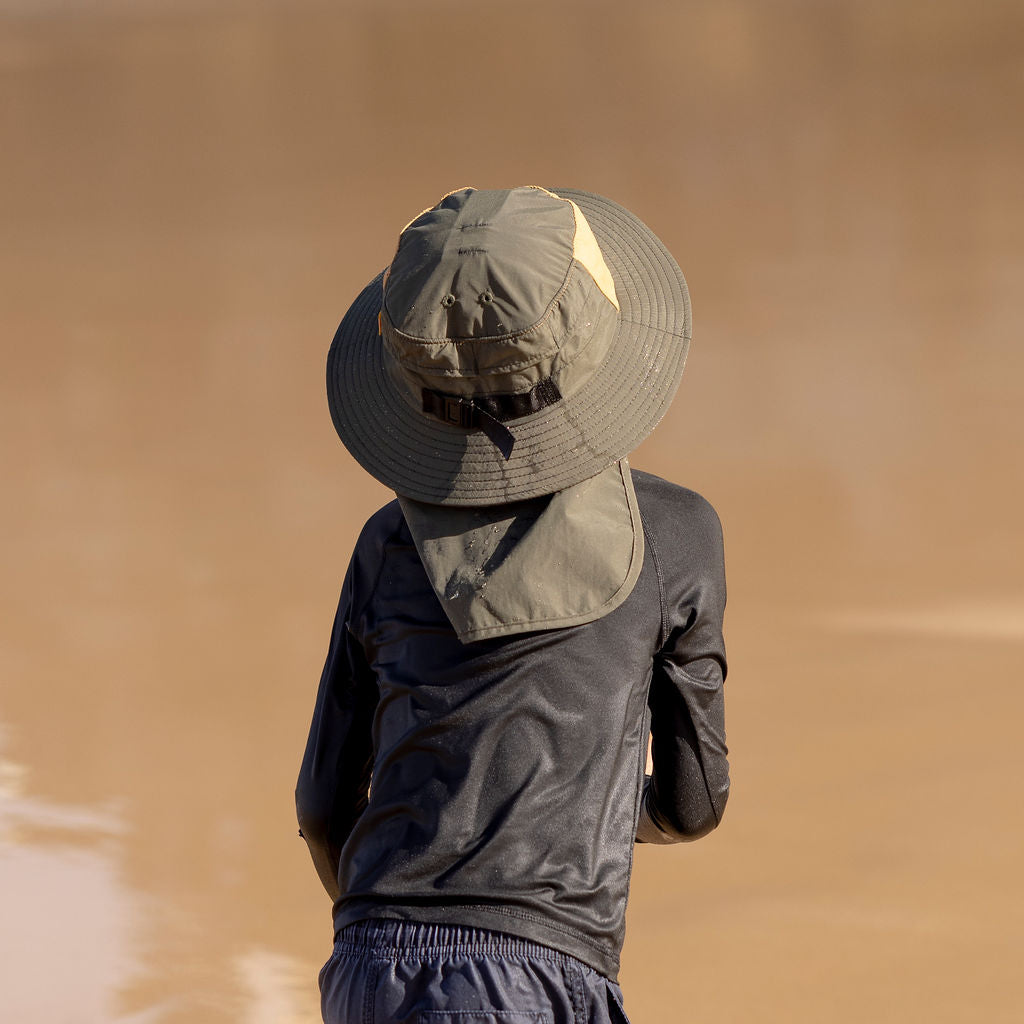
(684, 533)
(369, 552)
(381, 526)
(675, 514)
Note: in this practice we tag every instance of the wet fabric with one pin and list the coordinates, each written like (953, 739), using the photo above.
(561, 560)
(388, 971)
(508, 774)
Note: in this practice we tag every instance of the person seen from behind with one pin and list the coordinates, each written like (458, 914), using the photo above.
(517, 624)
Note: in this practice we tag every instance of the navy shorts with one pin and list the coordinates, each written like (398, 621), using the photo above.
(404, 973)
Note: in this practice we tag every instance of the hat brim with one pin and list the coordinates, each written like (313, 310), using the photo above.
(602, 421)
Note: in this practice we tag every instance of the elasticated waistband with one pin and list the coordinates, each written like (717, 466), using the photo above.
(408, 939)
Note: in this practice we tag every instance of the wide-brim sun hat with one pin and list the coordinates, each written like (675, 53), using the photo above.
(520, 342)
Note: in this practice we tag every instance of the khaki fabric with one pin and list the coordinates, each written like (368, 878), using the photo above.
(492, 295)
(559, 560)
(491, 292)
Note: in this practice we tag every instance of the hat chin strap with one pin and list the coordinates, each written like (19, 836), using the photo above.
(490, 412)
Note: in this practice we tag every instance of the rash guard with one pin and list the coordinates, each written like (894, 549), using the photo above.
(501, 783)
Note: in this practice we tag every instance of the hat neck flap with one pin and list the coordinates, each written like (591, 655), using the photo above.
(563, 559)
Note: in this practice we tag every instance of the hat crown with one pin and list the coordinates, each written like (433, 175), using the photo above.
(496, 292)
(480, 264)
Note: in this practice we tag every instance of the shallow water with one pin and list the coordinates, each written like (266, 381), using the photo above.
(192, 195)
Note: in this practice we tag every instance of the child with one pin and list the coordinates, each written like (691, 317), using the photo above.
(514, 627)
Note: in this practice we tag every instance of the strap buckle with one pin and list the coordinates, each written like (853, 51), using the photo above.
(453, 411)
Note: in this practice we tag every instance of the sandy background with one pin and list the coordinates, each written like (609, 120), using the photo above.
(191, 194)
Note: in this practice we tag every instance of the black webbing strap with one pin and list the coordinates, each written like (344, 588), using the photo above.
(489, 412)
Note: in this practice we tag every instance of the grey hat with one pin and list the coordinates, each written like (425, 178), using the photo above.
(520, 342)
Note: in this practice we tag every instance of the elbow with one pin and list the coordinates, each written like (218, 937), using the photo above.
(691, 818)
(312, 817)
(712, 817)
(688, 829)
(700, 808)
(711, 814)
(314, 827)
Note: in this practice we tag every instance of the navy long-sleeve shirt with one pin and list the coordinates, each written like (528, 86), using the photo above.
(508, 779)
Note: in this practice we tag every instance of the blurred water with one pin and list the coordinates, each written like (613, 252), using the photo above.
(192, 195)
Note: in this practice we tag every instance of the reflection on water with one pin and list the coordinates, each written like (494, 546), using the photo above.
(67, 919)
(74, 935)
(193, 193)
(271, 983)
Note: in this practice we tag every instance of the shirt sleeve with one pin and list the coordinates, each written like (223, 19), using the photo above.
(334, 778)
(685, 796)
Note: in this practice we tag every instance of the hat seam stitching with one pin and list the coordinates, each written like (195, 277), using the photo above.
(524, 363)
(499, 338)
(661, 330)
(600, 398)
(557, 372)
(483, 472)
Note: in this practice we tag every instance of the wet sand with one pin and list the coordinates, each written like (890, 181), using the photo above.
(191, 196)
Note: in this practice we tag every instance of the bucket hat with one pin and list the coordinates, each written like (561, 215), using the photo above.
(520, 342)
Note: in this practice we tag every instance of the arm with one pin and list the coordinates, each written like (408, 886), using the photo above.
(685, 795)
(334, 779)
